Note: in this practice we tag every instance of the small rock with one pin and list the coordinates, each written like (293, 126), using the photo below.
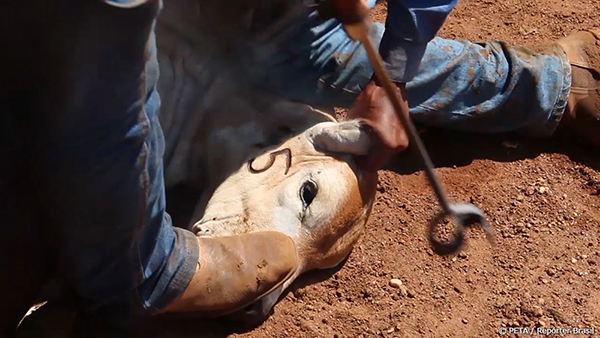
(403, 290)
(395, 283)
(551, 272)
(462, 255)
(542, 323)
(390, 330)
(541, 301)
(520, 197)
(573, 260)
(526, 295)
(538, 312)
(300, 293)
(530, 191)
(465, 321)
(543, 190)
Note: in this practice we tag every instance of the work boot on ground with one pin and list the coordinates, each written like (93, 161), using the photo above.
(235, 271)
(582, 115)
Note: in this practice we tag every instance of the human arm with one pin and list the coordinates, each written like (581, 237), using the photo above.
(410, 25)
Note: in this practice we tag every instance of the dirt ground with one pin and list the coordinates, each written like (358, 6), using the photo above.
(542, 198)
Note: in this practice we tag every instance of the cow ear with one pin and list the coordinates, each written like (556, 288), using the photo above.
(341, 137)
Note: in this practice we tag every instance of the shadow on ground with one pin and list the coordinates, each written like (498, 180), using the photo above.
(449, 149)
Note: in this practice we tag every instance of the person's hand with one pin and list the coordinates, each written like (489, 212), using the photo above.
(385, 130)
(345, 11)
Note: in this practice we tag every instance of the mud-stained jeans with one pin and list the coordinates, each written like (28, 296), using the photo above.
(486, 87)
(81, 145)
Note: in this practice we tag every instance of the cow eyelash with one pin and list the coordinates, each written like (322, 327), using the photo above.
(308, 192)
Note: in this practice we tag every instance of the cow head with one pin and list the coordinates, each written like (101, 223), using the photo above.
(308, 188)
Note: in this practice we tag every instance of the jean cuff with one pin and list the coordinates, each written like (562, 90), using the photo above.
(562, 97)
(185, 255)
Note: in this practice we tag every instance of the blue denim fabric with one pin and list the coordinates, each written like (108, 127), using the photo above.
(96, 147)
(484, 87)
(410, 25)
(125, 3)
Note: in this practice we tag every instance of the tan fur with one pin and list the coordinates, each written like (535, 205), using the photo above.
(327, 247)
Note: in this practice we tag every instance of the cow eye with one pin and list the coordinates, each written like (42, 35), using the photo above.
(308, 192)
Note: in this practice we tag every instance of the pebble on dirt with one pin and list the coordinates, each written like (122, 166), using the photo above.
(395, 283)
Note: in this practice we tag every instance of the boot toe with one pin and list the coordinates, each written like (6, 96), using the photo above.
(582, 114)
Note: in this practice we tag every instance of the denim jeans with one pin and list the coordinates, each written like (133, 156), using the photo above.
(486, 87)
(84, 145)
(80, 120)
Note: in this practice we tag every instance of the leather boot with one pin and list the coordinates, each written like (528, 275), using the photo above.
(582, 115)
(236, 271)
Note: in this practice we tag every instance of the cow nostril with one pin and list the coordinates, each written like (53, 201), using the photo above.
(199, 231)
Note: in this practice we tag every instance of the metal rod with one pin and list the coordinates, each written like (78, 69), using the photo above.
(415, 140)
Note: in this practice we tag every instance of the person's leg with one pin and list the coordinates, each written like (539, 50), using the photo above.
(96, 156)
(480, 87)
(88, 74)
(490, 87)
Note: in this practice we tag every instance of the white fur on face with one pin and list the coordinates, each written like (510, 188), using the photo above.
(271, 200)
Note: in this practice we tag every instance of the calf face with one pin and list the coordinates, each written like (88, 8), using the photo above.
(308, 188)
